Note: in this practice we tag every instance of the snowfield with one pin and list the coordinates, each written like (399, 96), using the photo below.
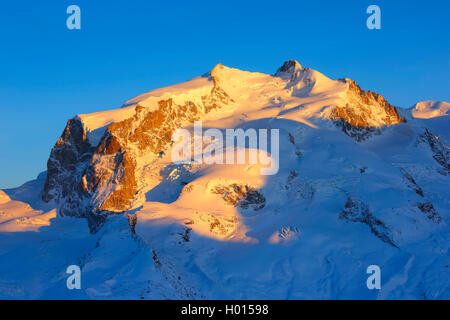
(346, 196)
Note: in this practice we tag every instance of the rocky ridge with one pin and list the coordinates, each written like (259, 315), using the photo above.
(96, 180)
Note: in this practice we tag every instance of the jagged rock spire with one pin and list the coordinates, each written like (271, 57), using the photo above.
(290, 67)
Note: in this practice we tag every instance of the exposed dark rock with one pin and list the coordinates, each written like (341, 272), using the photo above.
(428, 209)
(132, 221)
(186, 236)
(358, 133)
(241, 196)
(358, 211)
(356, 119)
(290, 66)
(156, 260)
(291, 139)
(96, 181)
(425, 207)
(292, 175)
(222, 226)
(440, 151)
(70, 155)
(412, 184)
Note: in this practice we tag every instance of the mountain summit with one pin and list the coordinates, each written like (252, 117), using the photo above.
(360, 182)
(289, 67)
(94, 168)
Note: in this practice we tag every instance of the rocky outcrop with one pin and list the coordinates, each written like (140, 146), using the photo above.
(411, 183)
(218, 97)
(428, 209)
(440, 152)
(95, 181)
(94, 178)
(290, 69)
(365, 113)
(132, 221)
(110, 178)
(241, 196)
(425, 206)
(69, 158)
(357, 211)
(70, 155)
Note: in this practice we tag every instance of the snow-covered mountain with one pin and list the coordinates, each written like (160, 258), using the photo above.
(360, 183)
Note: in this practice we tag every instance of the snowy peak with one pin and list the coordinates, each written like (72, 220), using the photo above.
(430, 109)
(96, 167)
(354, 186)
(215, 72)
(289, 67)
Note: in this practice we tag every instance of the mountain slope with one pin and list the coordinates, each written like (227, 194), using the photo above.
(105, 181)
(359, 182)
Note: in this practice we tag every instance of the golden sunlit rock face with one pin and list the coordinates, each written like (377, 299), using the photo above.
(357, 117)
(353, 183)
(96, 180)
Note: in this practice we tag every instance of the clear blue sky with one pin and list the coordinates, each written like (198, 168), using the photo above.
(49, 73)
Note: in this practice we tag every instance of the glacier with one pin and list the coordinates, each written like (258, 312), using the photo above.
(360, 183)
